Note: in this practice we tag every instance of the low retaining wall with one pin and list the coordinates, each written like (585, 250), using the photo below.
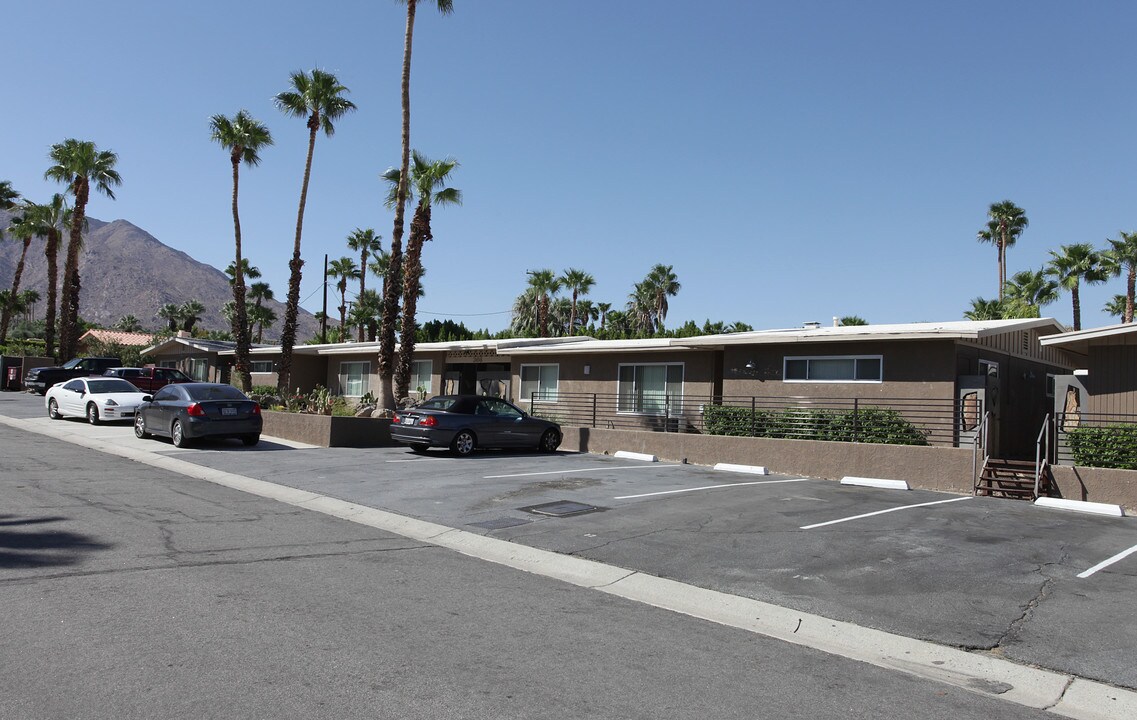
(1117, 487)
(328, 430)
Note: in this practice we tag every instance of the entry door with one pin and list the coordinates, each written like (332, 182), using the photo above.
(494, 383)
(978, 395)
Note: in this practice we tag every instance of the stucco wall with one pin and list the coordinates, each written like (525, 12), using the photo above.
(1097, 485)
(328, 431)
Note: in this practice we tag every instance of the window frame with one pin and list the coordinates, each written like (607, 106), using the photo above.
(343, 379)
(621, 408)
(415, 373)
(553, 396)
(853, 380)
(254, 363)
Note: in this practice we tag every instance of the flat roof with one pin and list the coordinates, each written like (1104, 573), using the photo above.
(953, 329)
(1079, 341)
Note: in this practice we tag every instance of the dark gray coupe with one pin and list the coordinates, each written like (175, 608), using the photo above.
(465, 422)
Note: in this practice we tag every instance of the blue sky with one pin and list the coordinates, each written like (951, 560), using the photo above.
(792, 160)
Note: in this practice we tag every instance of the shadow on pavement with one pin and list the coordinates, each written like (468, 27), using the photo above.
(48, 548)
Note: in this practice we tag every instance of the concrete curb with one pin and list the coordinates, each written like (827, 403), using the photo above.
(751, 469)
(875, 482)
(1094, 508)
(628, 455)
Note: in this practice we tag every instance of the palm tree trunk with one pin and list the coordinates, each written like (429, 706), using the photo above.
(1074, 296)
(391, 289)
(420, 232)
(1130, 287)
(572, 315)
(292, 308)
(6, 315)
(69, 304)
(240, 315)
(52, 253)
(362, 283)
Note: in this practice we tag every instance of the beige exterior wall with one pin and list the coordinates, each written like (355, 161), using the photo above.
(1111, 386)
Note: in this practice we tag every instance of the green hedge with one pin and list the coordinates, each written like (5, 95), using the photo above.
(867, 425)
(1112, 446)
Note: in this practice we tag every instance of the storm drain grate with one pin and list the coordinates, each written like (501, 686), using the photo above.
(501, 523)
(561, 508)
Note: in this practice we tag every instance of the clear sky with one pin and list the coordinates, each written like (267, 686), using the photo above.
(792, 160)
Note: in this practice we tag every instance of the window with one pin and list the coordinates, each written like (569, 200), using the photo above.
(168, 363)
(420, 375)
(353, 378)
(199, 369)
(867, 368)
(651, 389)
(261, 366)
(989, 368)
(539, 379)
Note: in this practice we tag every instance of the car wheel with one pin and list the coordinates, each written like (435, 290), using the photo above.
(550, 441)
(53, 409)
(140, 426)
(420, 447)
(463, 443)
(92, 413)
(177, 434)
(250, 440)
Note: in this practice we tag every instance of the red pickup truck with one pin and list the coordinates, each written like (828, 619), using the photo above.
(149, 379)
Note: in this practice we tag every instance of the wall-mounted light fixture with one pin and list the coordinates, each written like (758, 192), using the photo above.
(587, 369)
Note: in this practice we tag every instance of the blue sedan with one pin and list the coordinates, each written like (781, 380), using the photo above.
(188, 411)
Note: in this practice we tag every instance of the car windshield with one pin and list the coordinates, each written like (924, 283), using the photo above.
(438, 403)
(215, 392)
(71, 364)
(110, 385)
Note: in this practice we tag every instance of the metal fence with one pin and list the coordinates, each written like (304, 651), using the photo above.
(1096, 440)
(879, 420)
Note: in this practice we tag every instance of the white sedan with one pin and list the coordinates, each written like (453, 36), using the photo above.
(95, 398)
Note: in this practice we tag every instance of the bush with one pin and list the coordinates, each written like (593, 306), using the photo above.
(1112, 446)
(868, 425)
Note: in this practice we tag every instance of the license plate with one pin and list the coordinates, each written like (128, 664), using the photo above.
(228, 411)
(408, 421)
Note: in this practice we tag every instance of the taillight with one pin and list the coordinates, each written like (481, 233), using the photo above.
(195, 410)
(256, 408)
(396, 420)
(428, 421)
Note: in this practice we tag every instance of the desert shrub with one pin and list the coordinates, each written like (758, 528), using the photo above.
(867, 425)
(1112, 446)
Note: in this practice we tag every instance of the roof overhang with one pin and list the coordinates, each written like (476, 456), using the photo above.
(1080, 341)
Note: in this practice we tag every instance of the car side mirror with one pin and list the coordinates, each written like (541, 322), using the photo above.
(147, 398)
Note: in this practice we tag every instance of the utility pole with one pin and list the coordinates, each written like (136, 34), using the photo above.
(324, 319)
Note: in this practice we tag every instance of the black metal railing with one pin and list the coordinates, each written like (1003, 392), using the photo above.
(1107, 440)
(877, 420)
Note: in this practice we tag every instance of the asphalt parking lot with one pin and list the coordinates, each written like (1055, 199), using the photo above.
(1037, 586)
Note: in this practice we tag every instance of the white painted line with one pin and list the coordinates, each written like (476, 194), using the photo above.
(579, 470)
(1094, 508)
(752, 469)
(628, 455)
(1029, 687)
(882, 512)
(875, 482)
(1106, 563)
(711, 487)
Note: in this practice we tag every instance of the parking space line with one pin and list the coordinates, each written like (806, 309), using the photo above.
(1106, 563)
(591, 469)
(882, 512)
(711, 487)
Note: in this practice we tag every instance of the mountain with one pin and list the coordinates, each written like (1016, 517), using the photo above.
(141, 276)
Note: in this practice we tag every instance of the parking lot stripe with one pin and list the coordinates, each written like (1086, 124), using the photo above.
(711, 487)
(592, 469)
(882, 512)
(1106, 563)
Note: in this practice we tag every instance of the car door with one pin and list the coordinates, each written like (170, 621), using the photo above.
(162, 409)
(70, 397)
(509, 423)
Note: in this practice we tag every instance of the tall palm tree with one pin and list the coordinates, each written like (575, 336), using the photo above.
(586, 312)
(172, 314)
(392, 290)
(662, 283)
(345, 269)
(78, 164)
(1027, 292)
(366, 243)
(578, 282)
(50, 219)
(28, 299)
(128, 323)
(525, 314)
(982, 309)
(23, 227)
(8, 198)
(365, 314)
(1073, 265)
(1122, 258)
(189, 313)
(250, 272)
(262, 316)
(1006, 223)
(1116, 307)
(319, 97)
(243, 137)
(428, 188)
(543, 283)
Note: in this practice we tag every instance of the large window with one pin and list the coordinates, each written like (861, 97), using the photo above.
(199, 369)
(260, 366)
(353, 378)
(866, 368)
(652, 389)
(420, 376)
(539, 379)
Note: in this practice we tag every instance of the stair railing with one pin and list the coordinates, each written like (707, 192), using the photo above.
(1041, 454)
(979, 441)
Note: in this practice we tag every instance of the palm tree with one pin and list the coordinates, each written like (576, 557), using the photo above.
(78, 164)
(366, 243)
(365, 314)
(24, 227)
(850, 320)
(604, 309)
(128, 323)
(1006, 223)
(640, 309)
(1122, 257)
(586, 313)
(189, 313)
(49, 220)
(543, 283)
(344, 269)
(250, 272)
(428, 187)
(1075, 264)
(662, 283)
(318, 97)
(1026, 292)
(525, 314)
(578, 282)
(172, 314)
(1116, 307)
(262, 316)
(982, 309)
(242, 137)
(8, 198)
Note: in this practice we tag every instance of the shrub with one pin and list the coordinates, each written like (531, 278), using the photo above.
(867, 425)
(1112, 446)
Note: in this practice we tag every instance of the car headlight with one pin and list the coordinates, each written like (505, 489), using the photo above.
(110, 402)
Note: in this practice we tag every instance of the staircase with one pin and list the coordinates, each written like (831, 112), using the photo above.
(1012, 479)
